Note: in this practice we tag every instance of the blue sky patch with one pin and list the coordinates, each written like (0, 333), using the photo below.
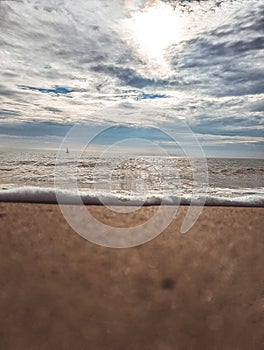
(58, 90)
(144, 96)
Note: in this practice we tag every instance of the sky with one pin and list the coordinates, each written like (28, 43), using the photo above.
(142, 65)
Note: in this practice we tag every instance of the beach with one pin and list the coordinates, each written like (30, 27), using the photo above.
(200, 290)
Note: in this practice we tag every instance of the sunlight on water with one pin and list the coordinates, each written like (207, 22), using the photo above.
(134, 176)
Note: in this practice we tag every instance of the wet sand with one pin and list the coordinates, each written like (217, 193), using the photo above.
(202, 290)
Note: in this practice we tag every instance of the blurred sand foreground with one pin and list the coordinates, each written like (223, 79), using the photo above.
(203, 290)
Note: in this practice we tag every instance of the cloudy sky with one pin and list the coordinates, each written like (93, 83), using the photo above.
(141, 64)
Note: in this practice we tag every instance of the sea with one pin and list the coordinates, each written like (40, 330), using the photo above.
(38, 176)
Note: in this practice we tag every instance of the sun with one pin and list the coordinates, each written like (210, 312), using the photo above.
(155, 28)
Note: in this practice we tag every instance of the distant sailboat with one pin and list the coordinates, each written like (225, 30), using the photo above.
(67, 150)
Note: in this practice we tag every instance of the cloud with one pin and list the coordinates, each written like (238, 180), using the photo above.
(25, 129)
(226, 61)
(128, 76)
(50, 51)
(7, 113)
(235, 126)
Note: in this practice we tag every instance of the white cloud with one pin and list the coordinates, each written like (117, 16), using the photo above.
(213, 77)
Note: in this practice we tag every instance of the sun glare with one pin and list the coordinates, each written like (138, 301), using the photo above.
(155, 28)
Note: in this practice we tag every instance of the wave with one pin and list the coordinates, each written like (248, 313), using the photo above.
(32, 194)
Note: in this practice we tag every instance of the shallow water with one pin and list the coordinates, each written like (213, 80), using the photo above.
(133, 177)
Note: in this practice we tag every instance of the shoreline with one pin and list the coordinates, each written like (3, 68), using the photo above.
(200, 290)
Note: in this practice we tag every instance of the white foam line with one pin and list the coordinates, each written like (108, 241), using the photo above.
(48, 195)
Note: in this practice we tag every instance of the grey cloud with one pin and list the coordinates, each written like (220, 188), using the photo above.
(257, 106)
(7, 92)
(36, 129)
(7, 113)
(53, 109)
(128, 76)
(226, 61)
(229, 126)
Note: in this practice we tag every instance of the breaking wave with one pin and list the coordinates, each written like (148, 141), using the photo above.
(49, 195)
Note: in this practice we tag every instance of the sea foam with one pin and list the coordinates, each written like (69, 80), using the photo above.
(49, 195)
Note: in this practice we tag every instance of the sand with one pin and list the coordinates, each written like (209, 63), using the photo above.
(202, 290)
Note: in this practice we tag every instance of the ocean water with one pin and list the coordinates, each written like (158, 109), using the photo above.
(29, 176)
